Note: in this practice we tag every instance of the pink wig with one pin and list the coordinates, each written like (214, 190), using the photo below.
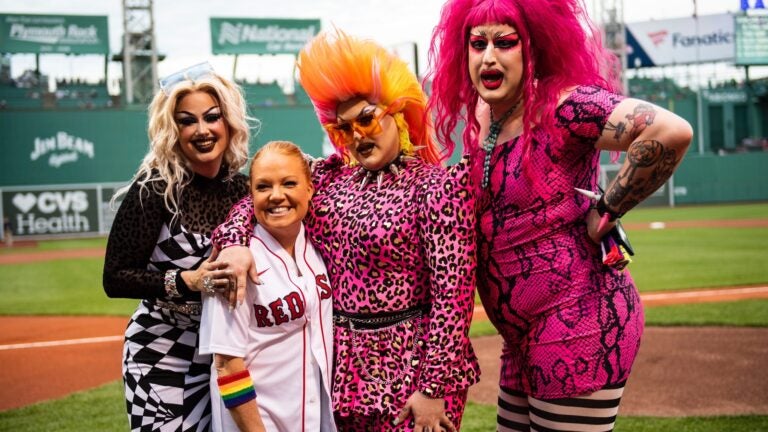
(561, 47)
(335, 67)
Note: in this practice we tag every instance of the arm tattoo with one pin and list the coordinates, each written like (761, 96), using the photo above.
(642, 117)
(650, 165)
(618, 129)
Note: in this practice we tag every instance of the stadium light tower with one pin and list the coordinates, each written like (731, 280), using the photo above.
(609, 14)
(139, 51)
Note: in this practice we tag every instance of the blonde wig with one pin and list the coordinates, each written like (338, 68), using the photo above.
(335, 67)
(165, 160)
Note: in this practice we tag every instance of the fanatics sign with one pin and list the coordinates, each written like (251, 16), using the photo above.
(680, 41)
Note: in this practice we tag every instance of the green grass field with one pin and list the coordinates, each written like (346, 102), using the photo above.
(96, 242)
(101, 409)
(482, 418)
(666, 260)
(698, 212)
(698, 258)
(65, 287)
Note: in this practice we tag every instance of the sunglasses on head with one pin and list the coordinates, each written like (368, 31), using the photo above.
(192, 73)
(367, 123)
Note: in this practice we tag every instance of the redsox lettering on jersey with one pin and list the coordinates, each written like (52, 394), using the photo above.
(283, 331)
(289, 307)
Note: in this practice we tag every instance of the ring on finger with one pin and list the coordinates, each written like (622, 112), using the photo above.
(208, 284)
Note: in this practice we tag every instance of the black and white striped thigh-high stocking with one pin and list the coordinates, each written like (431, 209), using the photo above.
(591, 413)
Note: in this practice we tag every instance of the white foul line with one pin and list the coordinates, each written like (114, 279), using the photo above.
(703, 293)
(685, 294)
(62, 342)
(653, 296)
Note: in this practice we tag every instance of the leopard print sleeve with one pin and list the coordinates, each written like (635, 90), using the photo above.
(235, 231)
(326, 170)
(131, 241)
(448, 233)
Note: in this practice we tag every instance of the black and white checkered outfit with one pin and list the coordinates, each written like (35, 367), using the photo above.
(166, 379)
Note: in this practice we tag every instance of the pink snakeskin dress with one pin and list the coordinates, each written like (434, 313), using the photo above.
(570, 324)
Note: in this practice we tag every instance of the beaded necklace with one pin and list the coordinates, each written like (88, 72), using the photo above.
(490, 141)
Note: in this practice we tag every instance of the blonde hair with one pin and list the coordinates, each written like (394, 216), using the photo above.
(335, 67)
(285, 148)
(165, 156)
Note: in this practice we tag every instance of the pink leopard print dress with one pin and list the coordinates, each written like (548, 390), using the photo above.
(400, 245)
(570, 324)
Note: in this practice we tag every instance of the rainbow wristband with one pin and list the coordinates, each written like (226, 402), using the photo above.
(236, 389)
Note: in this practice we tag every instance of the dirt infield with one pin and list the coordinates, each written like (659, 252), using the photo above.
(680, 371)
(35, 373)
(51, 255)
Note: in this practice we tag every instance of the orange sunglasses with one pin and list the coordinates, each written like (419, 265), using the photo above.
(366, 123)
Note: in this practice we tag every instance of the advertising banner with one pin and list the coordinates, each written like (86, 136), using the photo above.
(108, 211)
(102, 146)
(71, 147)
(680, 41)
(261, 36)
(60, 34)
(52, 211)
(751, 39)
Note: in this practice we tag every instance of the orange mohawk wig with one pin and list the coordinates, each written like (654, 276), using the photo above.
(334, 68)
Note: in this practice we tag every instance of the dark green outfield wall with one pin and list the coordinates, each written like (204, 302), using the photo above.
(719, 179)
(58, 147)
(105, 146)
(97, 146)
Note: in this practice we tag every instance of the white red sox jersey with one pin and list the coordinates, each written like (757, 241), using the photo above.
(284, 333)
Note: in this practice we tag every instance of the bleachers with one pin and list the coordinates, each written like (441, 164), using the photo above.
(17, 97)
(78, 95)
(263, 94)
(271, 94)
(300, 95)
(82, 96)
(66, 96)
(656, 90)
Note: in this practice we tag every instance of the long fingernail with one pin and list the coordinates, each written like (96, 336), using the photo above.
(396, 422)
(231, 308)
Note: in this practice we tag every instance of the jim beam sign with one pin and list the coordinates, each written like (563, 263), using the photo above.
(61, 149)
(52, 211)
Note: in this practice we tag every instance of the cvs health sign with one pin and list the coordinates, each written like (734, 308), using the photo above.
(36, 212)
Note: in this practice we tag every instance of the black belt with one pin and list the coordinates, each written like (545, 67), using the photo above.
(372, 321)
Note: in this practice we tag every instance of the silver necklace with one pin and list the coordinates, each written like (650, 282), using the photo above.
(490, 141)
